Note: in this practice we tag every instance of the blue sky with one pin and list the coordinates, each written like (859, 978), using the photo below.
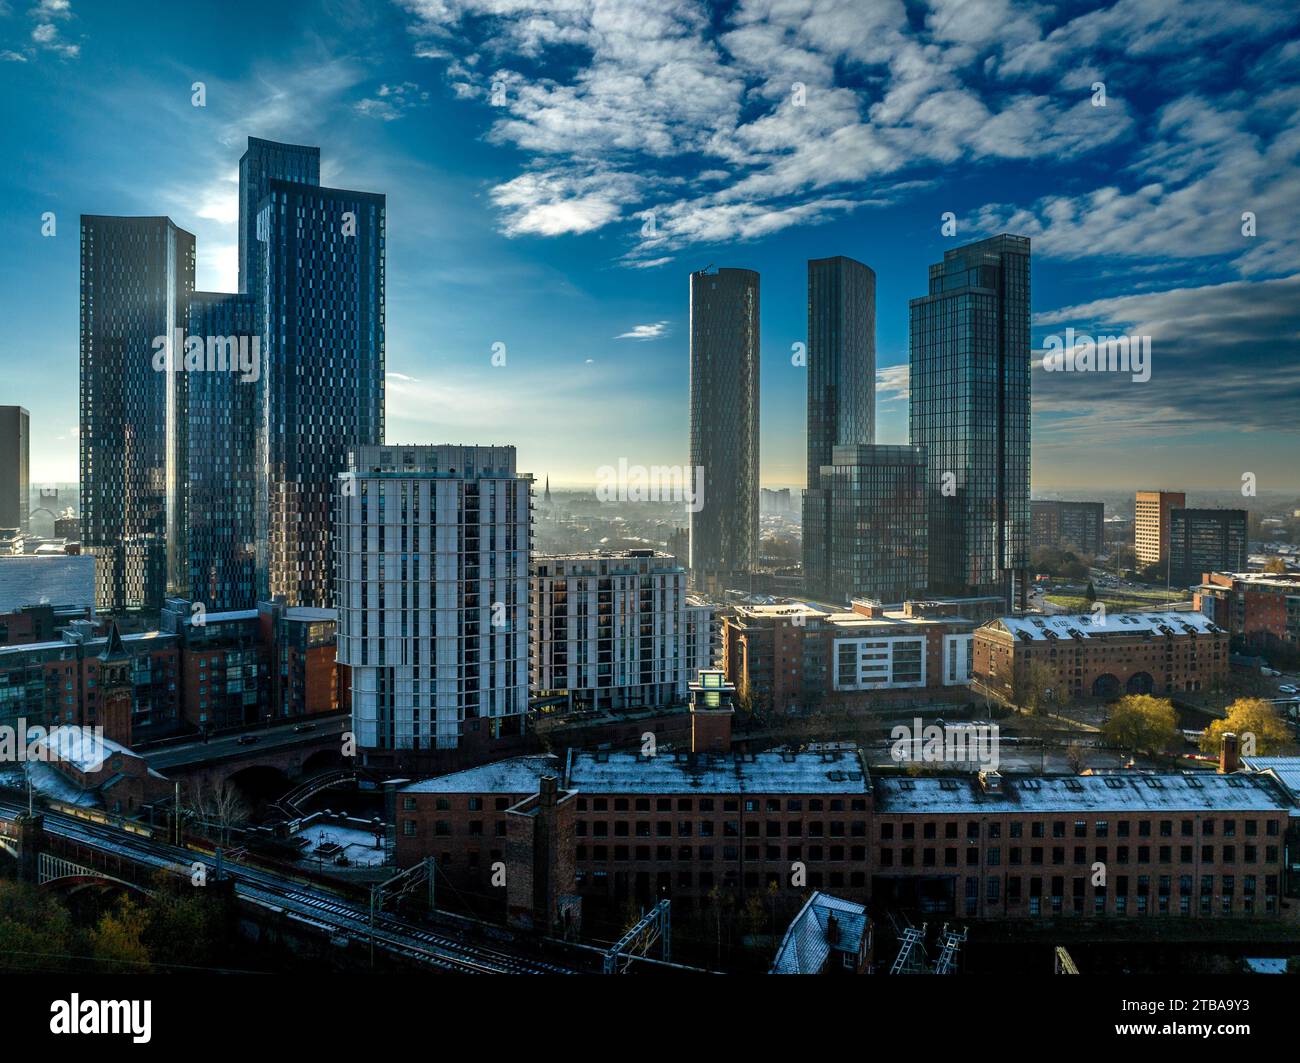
(521, 144)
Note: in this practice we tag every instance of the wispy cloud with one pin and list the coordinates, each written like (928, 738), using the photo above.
(645, 332)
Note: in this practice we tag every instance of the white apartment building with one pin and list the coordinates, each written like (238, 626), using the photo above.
(615, 631)
(432, 554)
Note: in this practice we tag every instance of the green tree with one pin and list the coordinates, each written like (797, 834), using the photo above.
(1142, 723)
(36, 932)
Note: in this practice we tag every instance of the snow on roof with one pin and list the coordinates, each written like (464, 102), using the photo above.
(1285, 769)
(805, 947)
(515, 775)
(79, 746)
(830, 772)
(1200, 792)
(1086, 625)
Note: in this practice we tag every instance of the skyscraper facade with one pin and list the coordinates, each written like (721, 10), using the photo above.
(1202, 541)
(137, 276)
(321, 293)
(969, 407)
(724, 426)
(223, 409)
(875, 543)
(433, 582)
(1151, 510)
(263, 161)
(15, 456)
(841, 388)
(610, 630)
(1076, 525)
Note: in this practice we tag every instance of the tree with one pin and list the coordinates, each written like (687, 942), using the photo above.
(1090, 593)
(1258, 727)
(1275, 566)
(1142, 723)
(118, 940)
(1034, 687)
(219, 808)
(1077, 757)
(35, 930)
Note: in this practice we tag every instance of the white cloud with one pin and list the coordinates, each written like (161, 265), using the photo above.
(644, 332)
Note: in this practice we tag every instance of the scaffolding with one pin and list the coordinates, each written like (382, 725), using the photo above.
(654, 926)
(1064, 962)
(911, 951)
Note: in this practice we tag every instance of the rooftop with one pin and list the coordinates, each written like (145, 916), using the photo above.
(1086, 625)
(515, 775)
(805, 947)
(1200, 792)
(838, 771)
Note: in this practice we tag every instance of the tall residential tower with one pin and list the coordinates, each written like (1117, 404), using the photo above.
(724, 426)
(969, 389)
(137, 275)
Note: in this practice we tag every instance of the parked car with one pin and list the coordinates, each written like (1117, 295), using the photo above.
(246, 740)
(1287, 688)
(304, 727)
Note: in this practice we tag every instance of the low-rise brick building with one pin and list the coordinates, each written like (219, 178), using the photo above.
(1104, 656)
(1261, 609)
(793, 658)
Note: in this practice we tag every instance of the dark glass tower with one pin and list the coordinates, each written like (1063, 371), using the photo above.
(223, 409)
(320, 288)
(15, 456)
(970, 409)
(724, 425)
(841, 388)
(264, 161)
(1205, 540)
(137, 275)
(875, 532)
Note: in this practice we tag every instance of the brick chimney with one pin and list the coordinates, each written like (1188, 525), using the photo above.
(1229, 754)
(711, 712)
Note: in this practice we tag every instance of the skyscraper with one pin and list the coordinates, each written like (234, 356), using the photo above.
(320, 289)
(969, 407)
(261, 162)
(137, 276)
(433, 581)
(1151, 510)
(220, 488)
(15, 455)
(724, 425)
(841, 388)
(1203, 541)
(874, 539)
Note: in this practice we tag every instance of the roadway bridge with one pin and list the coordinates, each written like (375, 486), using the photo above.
(90, 853)
(264, 759)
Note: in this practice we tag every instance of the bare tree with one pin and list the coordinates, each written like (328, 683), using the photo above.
(218, 809)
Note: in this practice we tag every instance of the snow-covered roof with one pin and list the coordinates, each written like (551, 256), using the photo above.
(78, 746)
(1086, 625)
(1285, 769)
(515, 775)
(1199, 792)
(805, 947)
(829, 772)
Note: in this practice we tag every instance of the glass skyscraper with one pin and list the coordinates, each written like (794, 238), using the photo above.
(841, 388)
(223, 409)
(15, 458)
(875, 538)
(724, 426)
(263, 161)
(970, 409)
(137, 275)
(320, 287)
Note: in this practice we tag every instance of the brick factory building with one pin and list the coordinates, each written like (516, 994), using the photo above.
(793, 658)
(1127, 653)
(540, 837)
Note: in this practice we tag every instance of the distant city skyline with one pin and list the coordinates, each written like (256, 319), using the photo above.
(519, 187)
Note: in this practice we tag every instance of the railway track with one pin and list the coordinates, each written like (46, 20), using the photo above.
(423, 944)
